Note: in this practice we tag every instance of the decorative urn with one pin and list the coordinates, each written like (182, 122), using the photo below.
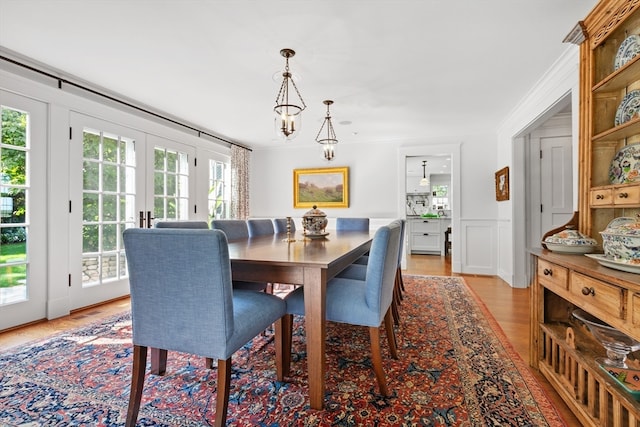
(621, 239)
(314, 222)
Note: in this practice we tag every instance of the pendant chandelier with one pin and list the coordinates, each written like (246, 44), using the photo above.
(424, 181)
(288, 119)
(328, 137)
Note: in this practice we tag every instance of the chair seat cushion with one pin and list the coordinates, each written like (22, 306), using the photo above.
(250, 321)
(354, 271)
(345, 303)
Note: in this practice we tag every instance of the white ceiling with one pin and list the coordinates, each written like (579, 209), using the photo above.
(397, 70)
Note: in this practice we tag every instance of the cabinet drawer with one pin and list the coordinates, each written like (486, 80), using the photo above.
(552, 275)
(598, 297)
(425, 242)
(425, 226)
(626, 195)
(601, 196)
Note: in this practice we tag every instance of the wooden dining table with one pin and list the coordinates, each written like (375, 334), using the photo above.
(307, 262)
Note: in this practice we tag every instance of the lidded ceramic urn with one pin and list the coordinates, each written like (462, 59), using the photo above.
(314, 221)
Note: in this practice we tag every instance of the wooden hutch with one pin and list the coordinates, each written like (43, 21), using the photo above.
(561, 348)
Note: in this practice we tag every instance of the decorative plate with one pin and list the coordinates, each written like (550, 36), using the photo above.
(628, 49)
(628, 107)
(570, 249)
(625, 166)
(630, 266)
(317, 236)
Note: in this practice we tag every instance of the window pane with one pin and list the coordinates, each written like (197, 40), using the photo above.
(14, 127)
(91, 176)
(109, 266)
(172, 162)
(109, 207)
(171, 185)
(13, 283)
(158, 160)
(90, 207)
(109, 177)
(110, 149)
(13, 164)
(109, 237)
(90, 238)
(91, 145)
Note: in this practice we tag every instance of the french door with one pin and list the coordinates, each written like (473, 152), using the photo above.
(120, 178)
(23, 242)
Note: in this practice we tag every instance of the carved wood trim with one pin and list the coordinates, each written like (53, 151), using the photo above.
(617, 16)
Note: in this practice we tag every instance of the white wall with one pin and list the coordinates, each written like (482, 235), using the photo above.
(543, 101)
(375, 179)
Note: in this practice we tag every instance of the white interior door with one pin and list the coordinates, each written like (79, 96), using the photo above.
(556, 187)
(23, 165)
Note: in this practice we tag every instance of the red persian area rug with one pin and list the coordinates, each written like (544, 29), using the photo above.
(456, 368)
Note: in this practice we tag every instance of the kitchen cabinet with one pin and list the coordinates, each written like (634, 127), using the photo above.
(426, 235)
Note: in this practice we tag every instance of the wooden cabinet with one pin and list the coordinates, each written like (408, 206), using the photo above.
(564, 351)
(561, 348)
(604, 83)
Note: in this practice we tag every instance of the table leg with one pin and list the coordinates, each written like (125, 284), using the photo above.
(315, 284)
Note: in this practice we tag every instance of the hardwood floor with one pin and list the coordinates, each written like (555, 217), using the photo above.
(509, 306)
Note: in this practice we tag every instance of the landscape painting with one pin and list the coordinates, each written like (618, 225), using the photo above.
(322, 187)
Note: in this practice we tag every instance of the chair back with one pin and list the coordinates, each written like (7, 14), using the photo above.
(403, 224)
(280, 225)
(233, 228)
(181, 293)
(260, 227)
(382, 266)
(352, 224)
(182, 224)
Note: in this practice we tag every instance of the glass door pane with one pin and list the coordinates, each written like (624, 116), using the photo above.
(23, 283)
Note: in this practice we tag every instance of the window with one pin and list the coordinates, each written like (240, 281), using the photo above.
(219, 190)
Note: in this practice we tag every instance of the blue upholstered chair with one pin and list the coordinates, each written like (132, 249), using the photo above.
(182, 300)
(260, 227)
(358, 271)
(182, 224)
(236, 229)
(352, 224)
(233, 228)
(280, 225)
(360, 302)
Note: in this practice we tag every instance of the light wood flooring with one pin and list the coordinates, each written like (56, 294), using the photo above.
(509, 306)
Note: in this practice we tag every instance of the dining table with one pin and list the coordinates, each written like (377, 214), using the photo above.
(307, 261)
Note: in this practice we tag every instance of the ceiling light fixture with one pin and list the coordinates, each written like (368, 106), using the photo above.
(424, 181)
(288, 119)
(329, 142)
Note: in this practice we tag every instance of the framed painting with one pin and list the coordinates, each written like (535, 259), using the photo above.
(502, 184)
(323, 187)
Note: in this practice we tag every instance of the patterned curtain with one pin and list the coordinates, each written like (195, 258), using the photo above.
(239, 182)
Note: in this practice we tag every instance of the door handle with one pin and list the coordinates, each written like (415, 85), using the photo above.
(149, 219)
(141, 215)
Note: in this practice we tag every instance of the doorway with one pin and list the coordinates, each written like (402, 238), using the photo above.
(452, 151)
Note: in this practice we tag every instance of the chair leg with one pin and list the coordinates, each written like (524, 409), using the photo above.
(137, 384)
(283, 332)
(208, 363)
(158, 361)
(391, 335)
(222, 394)
(376, 360)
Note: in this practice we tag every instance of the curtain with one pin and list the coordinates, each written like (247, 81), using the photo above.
(239, 182)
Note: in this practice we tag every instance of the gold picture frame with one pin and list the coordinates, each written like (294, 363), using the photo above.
(322, 187)
(502, 184)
